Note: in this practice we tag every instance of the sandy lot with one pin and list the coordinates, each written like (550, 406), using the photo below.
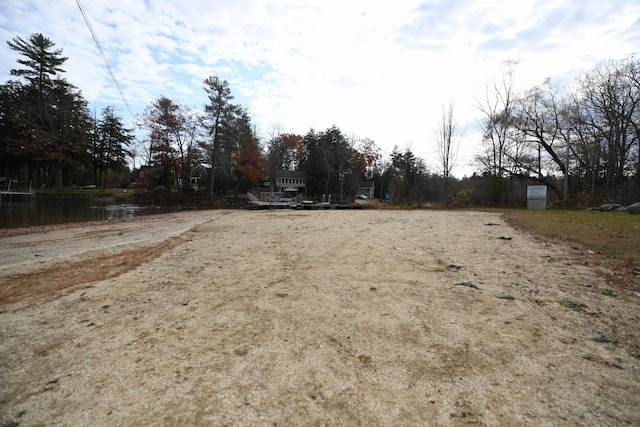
(311, 318)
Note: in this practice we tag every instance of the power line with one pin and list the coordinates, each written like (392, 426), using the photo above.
(104, 57)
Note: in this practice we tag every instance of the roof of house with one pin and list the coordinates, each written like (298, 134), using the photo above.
(199, 172)
(290, 174)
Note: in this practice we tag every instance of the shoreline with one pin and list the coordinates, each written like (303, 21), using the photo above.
(30, 249)
(45, 228)
(15, 231)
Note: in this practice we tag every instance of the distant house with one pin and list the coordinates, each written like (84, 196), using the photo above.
(290, 183)
(147, 178)
(367, 188)
(198, 177)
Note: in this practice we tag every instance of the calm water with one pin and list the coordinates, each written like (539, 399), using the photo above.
(41, 212)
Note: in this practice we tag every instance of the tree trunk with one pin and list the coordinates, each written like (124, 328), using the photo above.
(58, 178)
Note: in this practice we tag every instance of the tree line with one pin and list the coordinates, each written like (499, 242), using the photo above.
(49, 137)
(47, 133)
(580, 140)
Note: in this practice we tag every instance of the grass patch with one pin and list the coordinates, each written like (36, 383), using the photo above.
(614, 237)
(610, 233)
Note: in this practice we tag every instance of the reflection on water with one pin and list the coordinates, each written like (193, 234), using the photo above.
(25, 214)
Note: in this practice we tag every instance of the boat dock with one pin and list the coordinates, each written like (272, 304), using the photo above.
(9, 194)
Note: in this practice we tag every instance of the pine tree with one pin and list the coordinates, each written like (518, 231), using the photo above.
(41, 61)
(49, 114)
(113, 140)
(218, 112)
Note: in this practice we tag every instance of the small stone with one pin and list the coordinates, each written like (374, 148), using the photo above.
(364, 359)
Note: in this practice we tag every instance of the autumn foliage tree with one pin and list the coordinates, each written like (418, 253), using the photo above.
(174, 135)
(232, 147)
(249, 160)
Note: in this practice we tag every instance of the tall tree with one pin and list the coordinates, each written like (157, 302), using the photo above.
(611, 110)
(497, 107)
(49, 112)
(631, 71)
(112, 143)
(15, 148)
(41, 61)
(285, 151)
(235, 125)
(447, 142)
(173, 136)
(341, 159)
(539, 118)
(67, 125)
(218, 112)
(249, 161)
(315, 163)
(336, 164)
(54, 130)
(406, 177)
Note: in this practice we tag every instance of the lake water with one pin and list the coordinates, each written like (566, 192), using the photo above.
(41, 212)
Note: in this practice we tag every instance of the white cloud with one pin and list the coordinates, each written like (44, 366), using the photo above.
(375, 69)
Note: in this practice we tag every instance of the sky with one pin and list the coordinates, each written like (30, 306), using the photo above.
(378, 70)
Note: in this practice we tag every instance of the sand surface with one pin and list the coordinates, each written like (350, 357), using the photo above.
(311, 318)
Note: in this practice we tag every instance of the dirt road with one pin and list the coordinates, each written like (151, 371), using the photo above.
(316, 318)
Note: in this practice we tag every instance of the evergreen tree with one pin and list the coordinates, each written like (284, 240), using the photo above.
(41, 62)
(315, 164)
(48, 116)
(218, 112)
(112, 142)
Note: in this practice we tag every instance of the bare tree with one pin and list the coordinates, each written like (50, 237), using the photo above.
(610, 95)
(497, 107)
(448, 140)
(539, 120)
(448, 143)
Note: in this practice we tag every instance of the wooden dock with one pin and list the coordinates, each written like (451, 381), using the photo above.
(7, 195)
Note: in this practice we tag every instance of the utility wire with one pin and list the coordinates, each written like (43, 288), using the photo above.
(104, 57)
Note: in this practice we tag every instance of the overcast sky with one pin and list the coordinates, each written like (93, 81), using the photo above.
(380, 70)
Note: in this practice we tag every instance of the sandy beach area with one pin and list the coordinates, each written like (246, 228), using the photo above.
(371, 317)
